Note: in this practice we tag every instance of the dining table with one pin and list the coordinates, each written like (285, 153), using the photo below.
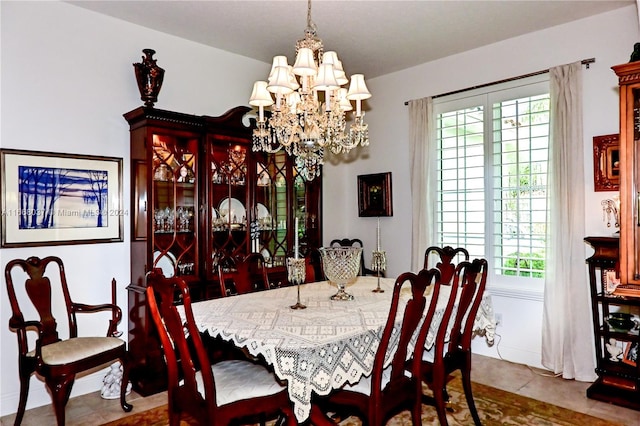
(326, 345)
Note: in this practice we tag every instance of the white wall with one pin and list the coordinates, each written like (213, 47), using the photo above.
(67, 78)
(608, 38)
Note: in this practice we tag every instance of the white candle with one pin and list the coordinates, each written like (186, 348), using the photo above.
(295, 238)
(378, 235)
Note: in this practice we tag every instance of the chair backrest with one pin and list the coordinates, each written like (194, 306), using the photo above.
(183, 347)
(412, 317)
(462, 302)
(239, 275)
(351, 242)
(471, 293)
(39, 290)
(313, 261)
(445, 259)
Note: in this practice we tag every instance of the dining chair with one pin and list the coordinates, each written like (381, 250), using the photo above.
(389, 390)
(355, 242)
(451, 349)
(239, 275)
(55, 359)
(445, 259)
(218, 394)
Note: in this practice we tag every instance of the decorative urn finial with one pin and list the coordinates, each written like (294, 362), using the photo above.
(149, 77)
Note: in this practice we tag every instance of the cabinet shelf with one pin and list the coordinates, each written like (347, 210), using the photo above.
(618, 375)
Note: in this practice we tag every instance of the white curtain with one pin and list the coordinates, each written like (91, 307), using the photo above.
(567, 338)
(422, 151)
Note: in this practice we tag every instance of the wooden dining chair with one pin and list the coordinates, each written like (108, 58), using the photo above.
(218, 394)
(239, 275)
(55, 359)
(451, 349)
(389, 390)
(355, 242)
(445, 259)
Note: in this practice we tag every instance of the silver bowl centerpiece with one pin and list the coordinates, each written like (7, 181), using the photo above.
(341, 265)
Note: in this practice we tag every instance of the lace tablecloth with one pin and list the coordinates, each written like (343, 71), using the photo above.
(315, 349)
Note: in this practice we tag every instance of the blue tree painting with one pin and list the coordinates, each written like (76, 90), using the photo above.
(54, 198)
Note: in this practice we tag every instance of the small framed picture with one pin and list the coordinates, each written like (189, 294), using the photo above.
(630, 355)
(606, 163)
(374, 195)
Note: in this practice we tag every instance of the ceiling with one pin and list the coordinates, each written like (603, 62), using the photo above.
(371, 37)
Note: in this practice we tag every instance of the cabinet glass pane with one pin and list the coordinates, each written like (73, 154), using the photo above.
(228, 198)
(271, 208)
(174, 177)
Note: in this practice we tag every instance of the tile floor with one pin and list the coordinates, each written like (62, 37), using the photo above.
(92, 410)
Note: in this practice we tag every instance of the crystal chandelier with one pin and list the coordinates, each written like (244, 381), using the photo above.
(308, 114)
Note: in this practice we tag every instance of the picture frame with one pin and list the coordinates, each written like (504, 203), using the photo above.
(610, 280)
(606, 162)
(50, 198)
(630, 355)
(374, 195)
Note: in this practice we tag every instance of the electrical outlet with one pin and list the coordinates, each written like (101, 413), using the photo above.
(498, 318)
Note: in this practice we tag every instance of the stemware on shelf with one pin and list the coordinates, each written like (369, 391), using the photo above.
(341, 265)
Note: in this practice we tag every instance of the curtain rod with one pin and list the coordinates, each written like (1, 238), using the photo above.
(584, 62)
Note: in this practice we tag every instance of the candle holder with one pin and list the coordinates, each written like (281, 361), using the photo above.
(378, 264)
(296, 274)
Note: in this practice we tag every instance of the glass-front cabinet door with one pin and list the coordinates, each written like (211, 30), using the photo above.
(174, 177)
(271, 212)
(228, 199)
(629, 81)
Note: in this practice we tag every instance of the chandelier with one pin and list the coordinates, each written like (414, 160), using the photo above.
(309, 105)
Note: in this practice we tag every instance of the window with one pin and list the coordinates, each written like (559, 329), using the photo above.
(492, 155)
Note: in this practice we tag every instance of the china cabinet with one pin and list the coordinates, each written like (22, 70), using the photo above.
(614, 269)
(199, 194)
(629, 83)
(617, 365)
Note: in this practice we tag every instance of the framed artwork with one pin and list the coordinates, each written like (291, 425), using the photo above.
(52, 199)
(606, 163)
(374, 195)
(630, 355)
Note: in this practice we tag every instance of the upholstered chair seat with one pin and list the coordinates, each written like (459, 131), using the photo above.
(76, 349)
(240, 380)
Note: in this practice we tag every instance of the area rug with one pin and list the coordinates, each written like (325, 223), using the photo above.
(495, 406)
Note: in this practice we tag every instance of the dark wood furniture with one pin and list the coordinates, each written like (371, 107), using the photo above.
(373, 398)
(243, 274)
(217, 394)
(445, 258)
(451, 350)
(618, 382)
(57, 360)
(200, 193)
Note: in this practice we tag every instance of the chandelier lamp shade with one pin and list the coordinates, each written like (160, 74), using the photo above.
(308, 106)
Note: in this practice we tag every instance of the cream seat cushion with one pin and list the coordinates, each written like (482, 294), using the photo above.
(236, 380)
(76, 349)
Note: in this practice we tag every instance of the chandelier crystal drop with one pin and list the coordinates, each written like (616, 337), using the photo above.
(308, 106)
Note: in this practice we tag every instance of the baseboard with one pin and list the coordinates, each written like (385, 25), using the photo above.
(511, 354)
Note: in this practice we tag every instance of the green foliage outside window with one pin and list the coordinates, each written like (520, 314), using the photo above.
(525, 265)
